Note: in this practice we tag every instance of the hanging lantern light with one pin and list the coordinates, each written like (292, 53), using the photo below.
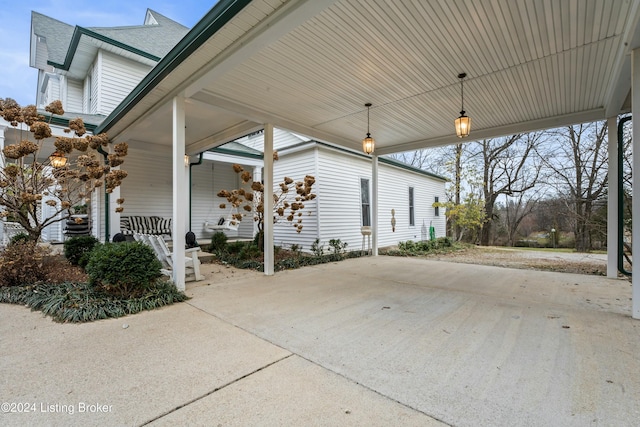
(462, 123)
(368, 144)
(57, 160)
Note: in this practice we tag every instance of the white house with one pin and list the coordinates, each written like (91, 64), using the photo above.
(92, 70)
(343, 189)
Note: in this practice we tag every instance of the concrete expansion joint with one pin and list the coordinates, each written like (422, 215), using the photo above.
(209, 393)
(372, 389)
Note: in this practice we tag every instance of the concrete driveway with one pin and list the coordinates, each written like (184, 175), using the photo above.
(370, 341)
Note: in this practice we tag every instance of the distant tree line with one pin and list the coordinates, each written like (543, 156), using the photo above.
(541, 188)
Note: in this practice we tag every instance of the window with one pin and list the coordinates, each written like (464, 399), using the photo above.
(412, 212)
(366, 204)
(437, 208)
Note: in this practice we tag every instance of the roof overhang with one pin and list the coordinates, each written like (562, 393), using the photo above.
(310, 66)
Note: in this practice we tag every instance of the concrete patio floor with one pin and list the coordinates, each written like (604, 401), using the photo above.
(369, 341)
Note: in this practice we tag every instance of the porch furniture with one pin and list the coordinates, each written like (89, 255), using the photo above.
(224, 223)
(145, 225)
(159, 246)
(10, 229)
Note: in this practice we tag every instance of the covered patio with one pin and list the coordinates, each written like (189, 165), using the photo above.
(311, 66)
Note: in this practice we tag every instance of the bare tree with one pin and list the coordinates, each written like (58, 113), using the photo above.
(578, 157)
(510, 168)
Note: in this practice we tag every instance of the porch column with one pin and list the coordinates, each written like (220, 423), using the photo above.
(612, 201)
(180, 195)
(374, 205)
(635, 208)
(268, 200)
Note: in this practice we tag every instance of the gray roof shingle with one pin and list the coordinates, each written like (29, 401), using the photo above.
(57, 33)
(155, 39)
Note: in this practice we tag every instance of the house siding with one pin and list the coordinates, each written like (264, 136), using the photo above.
(296, 166)
(74, 96)
(338, 199)
(115, 78)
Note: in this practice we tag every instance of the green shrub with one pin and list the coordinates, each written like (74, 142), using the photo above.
(124, 269)
(338, 246)
(218, 242)
(317, 248)
(80, 302)
(249, 251)
(25, 263)
(20, 237)
(77, 249)
(235, 247)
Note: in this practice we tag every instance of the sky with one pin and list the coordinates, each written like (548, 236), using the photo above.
(18, 80)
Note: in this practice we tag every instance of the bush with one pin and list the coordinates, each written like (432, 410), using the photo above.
(80, 302)
(20, 237)
(412, 248)
(77, 249)
(317, 248)
(25, 263)
(338, 246)
(218, 242)
(123, 269)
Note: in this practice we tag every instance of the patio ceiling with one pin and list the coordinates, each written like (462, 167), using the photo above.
(310, 66)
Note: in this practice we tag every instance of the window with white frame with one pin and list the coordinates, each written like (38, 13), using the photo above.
(365, 201)
(412, 211)
(437, 208)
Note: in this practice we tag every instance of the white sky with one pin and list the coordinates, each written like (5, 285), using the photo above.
(18, 80)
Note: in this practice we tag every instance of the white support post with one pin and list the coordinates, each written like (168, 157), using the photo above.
(180, 193)
(612, 202)
(268, 200)
(635, 209)
(374, 205)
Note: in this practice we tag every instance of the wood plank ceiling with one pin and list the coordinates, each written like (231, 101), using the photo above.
(530, 64)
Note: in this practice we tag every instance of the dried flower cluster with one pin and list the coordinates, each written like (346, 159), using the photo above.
(29, 179)
(252, 201)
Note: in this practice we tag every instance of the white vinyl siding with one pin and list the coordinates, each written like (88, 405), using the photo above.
(113, 79)
(296, 166)
(392, 180)
(74, 96)
(338, 189)
(281, 139)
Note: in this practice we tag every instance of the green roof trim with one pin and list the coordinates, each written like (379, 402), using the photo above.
(238, 153)
(64, 121)
(78, 32)
(210, 24)
(385, 160)
(234, 148)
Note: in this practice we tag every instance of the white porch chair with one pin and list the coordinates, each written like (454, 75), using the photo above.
(159, 246)
(10, 229)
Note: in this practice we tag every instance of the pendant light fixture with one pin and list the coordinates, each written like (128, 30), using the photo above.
(57, 160)
(368, 144)
(462, 123)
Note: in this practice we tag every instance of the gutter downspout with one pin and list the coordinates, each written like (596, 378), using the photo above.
(621, 197)
(107, 238)
(199, 162)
